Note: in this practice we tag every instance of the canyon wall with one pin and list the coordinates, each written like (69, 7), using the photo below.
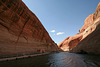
(90, 36)
(70, 42)
(21, 32)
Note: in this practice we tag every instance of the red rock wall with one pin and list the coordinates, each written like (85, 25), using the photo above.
(21, 31)
(89, 40)
(91, 37)
(70, 42)
(97, 12)
(88, 22)
(91, 43)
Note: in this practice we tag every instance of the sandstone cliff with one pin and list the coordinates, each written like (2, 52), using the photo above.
(70, 42)
(90, 38)
(21, 32)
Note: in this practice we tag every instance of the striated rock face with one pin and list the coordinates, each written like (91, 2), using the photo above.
(21, 32)
(90, 36)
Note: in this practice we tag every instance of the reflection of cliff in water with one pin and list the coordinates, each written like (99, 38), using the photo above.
(62, 59)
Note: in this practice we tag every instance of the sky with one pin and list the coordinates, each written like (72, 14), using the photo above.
(62, 18)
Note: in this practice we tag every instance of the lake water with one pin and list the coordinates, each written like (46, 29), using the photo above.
(61, 59)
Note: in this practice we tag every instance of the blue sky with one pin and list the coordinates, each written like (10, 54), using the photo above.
(62, 18)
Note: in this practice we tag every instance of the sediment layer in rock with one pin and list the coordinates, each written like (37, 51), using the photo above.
(21, 32)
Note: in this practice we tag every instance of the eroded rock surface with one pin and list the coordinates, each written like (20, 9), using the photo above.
(21, 32)
(90, 36)
(88, 22)
(70, 42)
(91, 41)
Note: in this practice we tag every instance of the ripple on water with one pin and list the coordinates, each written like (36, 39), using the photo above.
(61, 59)
(65, 59)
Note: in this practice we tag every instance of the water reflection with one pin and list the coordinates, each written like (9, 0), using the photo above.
(66, 60)
(61, 59)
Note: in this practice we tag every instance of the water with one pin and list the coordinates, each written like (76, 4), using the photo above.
(61, 59)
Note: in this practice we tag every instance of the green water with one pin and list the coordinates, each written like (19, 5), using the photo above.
(61, 59)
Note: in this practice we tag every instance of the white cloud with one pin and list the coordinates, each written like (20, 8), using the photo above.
(59, 33)
(53, 31)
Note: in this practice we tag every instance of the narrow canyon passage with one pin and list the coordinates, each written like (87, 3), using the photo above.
(61, 59)
(25, 32)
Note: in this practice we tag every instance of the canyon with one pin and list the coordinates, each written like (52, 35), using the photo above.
(88, 38)
(24, 42)
(21, 32)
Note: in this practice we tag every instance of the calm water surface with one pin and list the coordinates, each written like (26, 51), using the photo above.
(61, 59)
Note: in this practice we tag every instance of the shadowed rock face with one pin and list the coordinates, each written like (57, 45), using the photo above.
(21, 32)
(90, 40)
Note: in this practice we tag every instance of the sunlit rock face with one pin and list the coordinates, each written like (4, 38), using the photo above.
(90, 35)
(70, 42)
(21, 32)
(74, 40)
(97, 12)
(88, 22)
